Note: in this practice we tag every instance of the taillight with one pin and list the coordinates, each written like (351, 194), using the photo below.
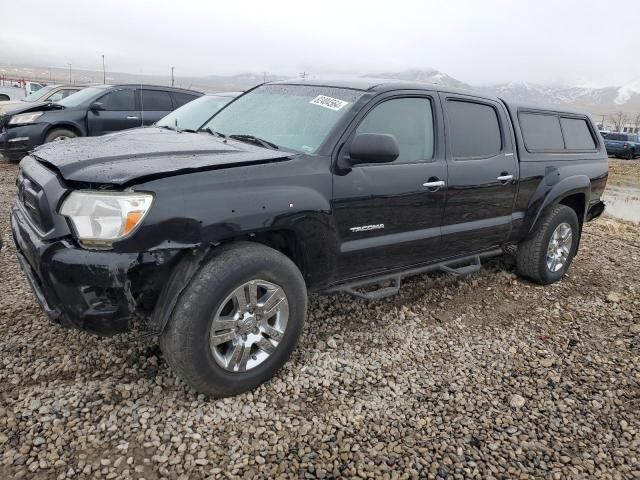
(626, 145)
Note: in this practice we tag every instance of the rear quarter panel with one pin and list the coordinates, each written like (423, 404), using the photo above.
(547, 178)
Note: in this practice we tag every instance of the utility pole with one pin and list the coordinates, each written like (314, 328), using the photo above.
(49, 73)
(172, 80)
(69, 73)
(303, 74)
(264, 77)
(104, 72)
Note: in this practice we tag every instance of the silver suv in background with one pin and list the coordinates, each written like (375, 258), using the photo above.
(51, 93)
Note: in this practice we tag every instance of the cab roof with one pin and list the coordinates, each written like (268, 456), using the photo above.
(378, 85)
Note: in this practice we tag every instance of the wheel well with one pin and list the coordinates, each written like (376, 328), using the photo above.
(577, 203)
(4, 98)
(283, 241)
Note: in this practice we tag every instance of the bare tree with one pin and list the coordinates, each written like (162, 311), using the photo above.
(618, 120)
(636, 123)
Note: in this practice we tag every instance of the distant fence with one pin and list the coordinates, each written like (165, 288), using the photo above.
(15, 82)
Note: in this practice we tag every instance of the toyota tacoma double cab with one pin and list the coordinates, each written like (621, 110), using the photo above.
(212, 239)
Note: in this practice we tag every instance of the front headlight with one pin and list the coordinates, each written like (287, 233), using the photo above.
(100, 218)
(22, 118)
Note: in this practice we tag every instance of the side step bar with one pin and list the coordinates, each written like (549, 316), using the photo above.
(458, 266)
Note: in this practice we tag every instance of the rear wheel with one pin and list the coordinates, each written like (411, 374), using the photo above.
(547, 254)
(59, 134)
(237, 322)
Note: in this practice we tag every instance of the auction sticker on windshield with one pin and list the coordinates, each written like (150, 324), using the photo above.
(328, 102)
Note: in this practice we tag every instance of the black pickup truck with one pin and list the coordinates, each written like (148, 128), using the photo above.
(212, 239)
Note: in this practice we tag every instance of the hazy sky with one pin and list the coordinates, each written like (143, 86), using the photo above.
(479, 42)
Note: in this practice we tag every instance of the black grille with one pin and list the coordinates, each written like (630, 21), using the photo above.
(33, 202)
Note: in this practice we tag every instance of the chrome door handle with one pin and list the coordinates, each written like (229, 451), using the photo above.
(438, 184)
(132, 118)
(505, 178)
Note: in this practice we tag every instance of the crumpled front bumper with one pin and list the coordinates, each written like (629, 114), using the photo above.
(91, 290)
(16, 142)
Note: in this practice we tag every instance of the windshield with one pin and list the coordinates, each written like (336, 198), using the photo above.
(192, 115)
(617, 136)
(37, 95)
(80, 97)
(295, 117)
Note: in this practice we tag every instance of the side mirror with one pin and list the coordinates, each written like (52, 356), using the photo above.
(374, 148)
(96, 106)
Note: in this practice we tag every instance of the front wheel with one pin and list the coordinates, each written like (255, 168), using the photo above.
(547, 254)
(59, 134)
(237, 322)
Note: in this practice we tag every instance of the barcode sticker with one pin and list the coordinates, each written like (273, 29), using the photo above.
(328, 102)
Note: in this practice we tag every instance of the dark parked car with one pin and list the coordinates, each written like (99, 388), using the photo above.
(625, 145)
(52, 93)
(93, 111)
(195, 113)
(214, 238)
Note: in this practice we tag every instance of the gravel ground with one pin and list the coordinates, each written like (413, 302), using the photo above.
(485, 377)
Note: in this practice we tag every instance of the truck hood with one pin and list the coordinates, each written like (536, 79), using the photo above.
(122, 157)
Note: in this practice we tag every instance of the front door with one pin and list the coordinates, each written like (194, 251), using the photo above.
(118, 111)
(482, 175)
(386, 217)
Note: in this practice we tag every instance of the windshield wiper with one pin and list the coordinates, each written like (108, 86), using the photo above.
(166, 127)
(213, 132)
(255, 140)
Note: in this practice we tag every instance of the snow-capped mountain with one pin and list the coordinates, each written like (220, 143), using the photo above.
(429, 75)
(598, 101)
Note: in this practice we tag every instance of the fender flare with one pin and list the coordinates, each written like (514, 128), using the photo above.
(180, 278)
(566, 187)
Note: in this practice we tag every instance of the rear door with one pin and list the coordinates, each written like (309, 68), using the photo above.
(385, 216)
(482, 174)
(155, 104)
(119, 111)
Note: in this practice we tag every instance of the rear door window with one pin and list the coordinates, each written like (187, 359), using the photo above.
(542, 133)
(156, 101)
(474, 129)
(123, 100)
(409, 120)
(577, 134)
(182, 98)
(621, 137)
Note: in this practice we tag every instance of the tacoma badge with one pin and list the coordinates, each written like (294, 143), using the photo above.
(366, 228)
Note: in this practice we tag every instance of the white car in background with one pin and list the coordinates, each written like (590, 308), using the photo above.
(14, 91)
(50, 93)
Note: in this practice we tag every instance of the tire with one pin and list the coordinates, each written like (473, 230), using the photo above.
(4, 98)
(185, 340)
(629, 155)
(532, 260)
(58, 134)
